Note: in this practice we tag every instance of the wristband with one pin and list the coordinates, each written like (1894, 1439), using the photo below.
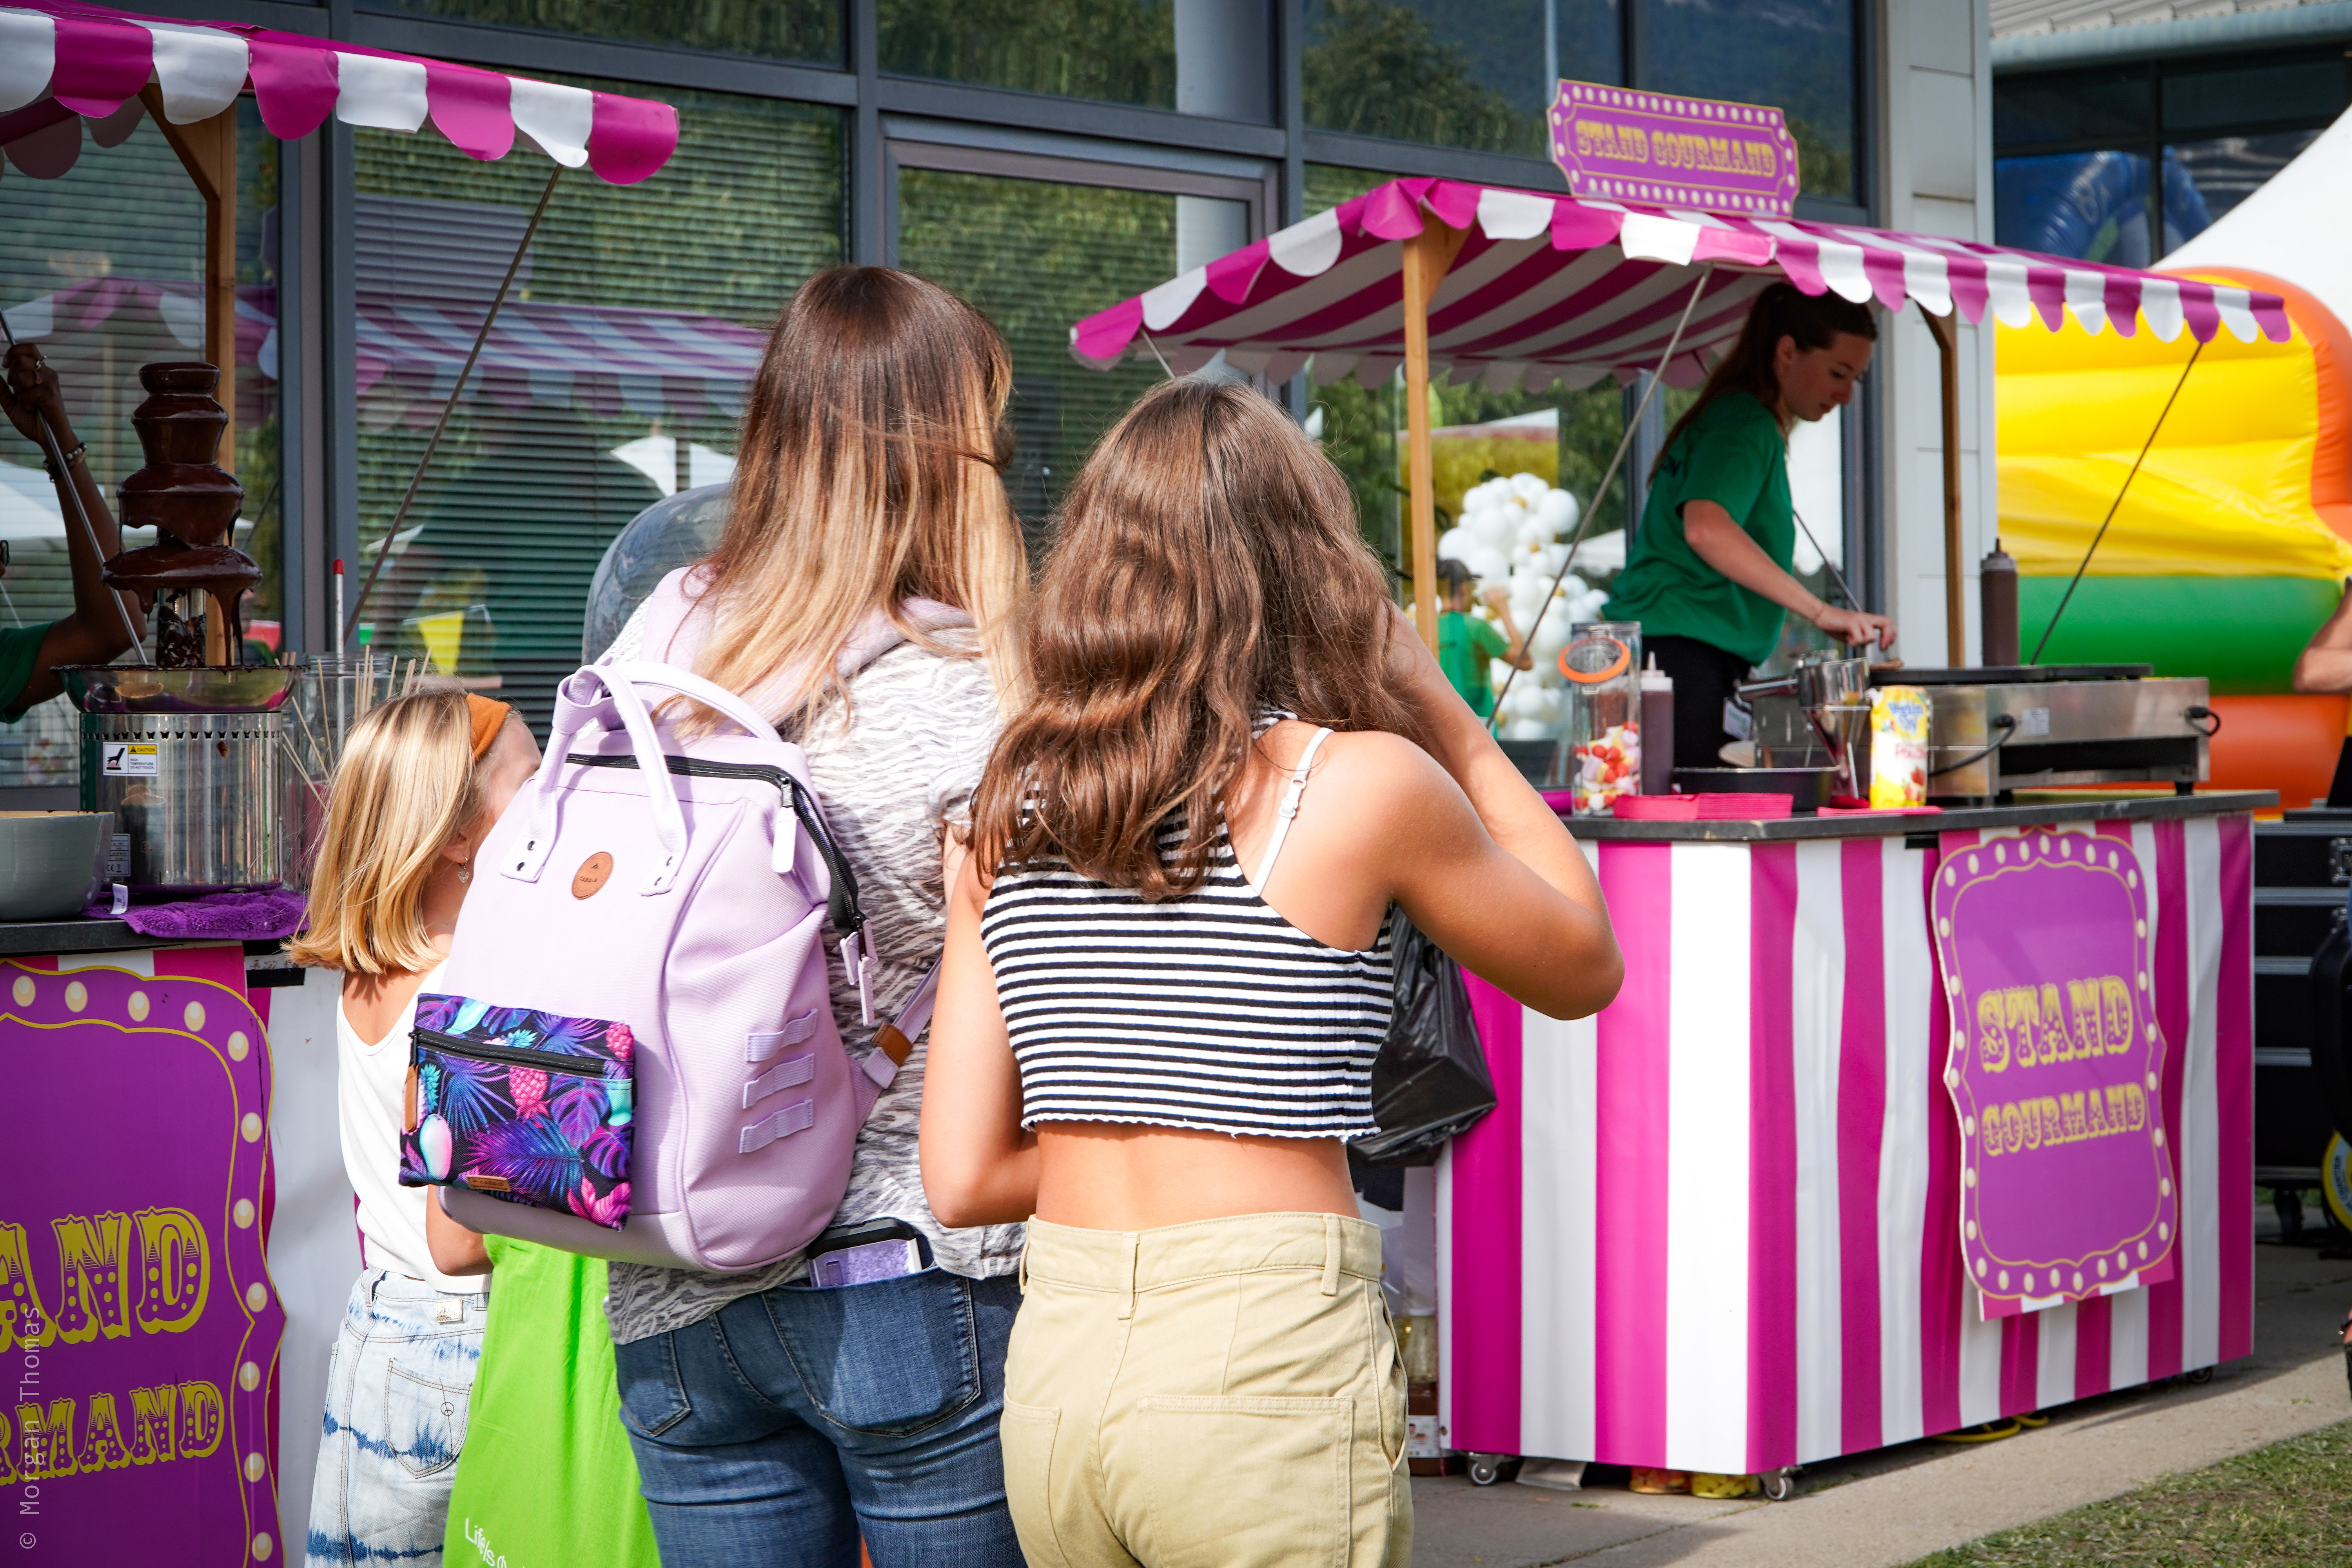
(56, 472)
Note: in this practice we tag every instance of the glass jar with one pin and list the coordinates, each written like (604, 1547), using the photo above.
(1602, 662)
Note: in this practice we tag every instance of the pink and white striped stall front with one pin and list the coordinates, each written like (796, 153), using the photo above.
(1732, 1223)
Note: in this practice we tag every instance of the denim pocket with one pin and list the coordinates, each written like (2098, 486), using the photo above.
(887, 1358)
(424, 1420)
(653, 1395)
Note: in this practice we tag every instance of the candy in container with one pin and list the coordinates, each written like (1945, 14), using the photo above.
(1898, 746)
(1604, 721)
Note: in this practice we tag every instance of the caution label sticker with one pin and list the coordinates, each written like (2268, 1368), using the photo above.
(130, 758)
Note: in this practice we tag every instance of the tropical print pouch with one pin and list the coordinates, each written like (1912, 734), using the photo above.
(534, 1108)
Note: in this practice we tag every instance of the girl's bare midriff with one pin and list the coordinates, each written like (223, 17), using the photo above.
(1098, 1175)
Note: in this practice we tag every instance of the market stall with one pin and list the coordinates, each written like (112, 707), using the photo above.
(1720, 1227)
(176, 1233)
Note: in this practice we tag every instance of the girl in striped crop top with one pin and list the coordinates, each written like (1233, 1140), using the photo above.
(1155, 1055)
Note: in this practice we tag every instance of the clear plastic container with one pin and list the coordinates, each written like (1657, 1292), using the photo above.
(1602, 663)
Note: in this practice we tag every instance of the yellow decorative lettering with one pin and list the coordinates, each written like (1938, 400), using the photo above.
(2116, 1020)
(175, 1270)
(1992, 1036)
(2094, 1108)
(2071, 1115)
(2051, 1044)
(93, 1296)
(2082, 1020)
(153, 1417)
(2139, 1106)
(102, 1448)
(2012, 1129)
(23, 1319)
(9, 1476)
(201, 1420)
(49, 1439)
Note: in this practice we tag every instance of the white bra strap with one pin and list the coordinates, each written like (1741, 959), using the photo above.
(1289, 809)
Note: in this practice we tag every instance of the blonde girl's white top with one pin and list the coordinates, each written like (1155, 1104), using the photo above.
(370, 1090)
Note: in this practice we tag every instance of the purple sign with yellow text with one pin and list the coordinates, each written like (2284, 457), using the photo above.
(2066, 1184)
(1623, 145)
(139, 1328)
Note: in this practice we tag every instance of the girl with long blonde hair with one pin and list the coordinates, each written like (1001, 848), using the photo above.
(863, 595)
(420, 782)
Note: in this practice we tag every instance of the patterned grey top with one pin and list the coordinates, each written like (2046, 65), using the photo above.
(892, 781)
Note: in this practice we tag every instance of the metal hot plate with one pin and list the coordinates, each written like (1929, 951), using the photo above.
(2006, 674)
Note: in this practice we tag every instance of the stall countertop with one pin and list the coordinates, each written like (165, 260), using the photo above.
(30, 937)
(1612, 830)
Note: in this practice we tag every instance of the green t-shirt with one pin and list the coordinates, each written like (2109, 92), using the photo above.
(1465, 644)
(1735, 456)
(20, 651)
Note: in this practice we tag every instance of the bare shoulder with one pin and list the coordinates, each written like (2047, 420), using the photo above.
(1384, 776)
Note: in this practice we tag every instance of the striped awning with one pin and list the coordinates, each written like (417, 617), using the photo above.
(1551, 288)
(62, 63)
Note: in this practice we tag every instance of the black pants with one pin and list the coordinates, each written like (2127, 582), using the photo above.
(1704, 677)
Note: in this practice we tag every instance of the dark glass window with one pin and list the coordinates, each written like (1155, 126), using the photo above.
(1453, 73)
(2217, 173)
(2074, 109)
(1120, 51)
(807, 30)
(2310, 90)
(615, 377)
(1798, 55)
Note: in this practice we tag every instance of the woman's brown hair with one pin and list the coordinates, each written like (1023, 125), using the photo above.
(1206, 569)
(1783, 311)
(868, 474)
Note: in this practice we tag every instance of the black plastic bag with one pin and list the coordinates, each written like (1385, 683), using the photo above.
(1430, 1081)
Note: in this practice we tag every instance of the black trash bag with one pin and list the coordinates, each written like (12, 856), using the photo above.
(1430, 1081)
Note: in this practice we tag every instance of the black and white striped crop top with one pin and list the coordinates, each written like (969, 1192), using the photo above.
(1207, 1011)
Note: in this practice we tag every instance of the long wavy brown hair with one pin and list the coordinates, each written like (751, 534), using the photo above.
(1206, 569)
(871, 456)
(1781, 311)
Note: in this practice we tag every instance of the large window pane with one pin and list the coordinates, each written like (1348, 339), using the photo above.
(774, 29)
(2315, 90)
(103, 268)
(1123, 51)
(1796, 54)
(1454, 73)
(615, 374)
(2092, 205)
(1037, 256)
(2205, 179)
(2120, 106)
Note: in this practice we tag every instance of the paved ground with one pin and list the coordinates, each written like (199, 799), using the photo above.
(1884, 1509)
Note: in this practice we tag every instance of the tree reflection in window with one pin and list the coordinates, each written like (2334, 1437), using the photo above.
(1119, 51)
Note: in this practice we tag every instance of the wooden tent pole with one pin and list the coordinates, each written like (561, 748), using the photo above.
(1946, 331)
(207, 150)
(1427, 257)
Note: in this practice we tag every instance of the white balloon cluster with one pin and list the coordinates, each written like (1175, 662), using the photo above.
(1514, 532)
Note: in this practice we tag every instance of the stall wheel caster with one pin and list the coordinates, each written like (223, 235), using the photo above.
(1486, 1470)
(2201, 1376)
(1780, 1486)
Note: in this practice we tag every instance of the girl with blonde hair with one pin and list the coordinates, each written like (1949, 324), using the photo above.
(863, 597)
(420, 782)
(1168, 973)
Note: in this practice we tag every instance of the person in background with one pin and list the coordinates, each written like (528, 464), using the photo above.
(1708, 575)
(1466, 644)
(776, 1420)
(94, 634)
(1161, 1055)
(421, 780)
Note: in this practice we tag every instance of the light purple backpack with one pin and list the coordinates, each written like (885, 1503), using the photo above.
(684, 889)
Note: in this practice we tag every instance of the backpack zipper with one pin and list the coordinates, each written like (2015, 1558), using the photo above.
(842, 910)
(516, 1055)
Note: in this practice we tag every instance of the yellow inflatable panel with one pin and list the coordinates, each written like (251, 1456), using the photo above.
(2241, 481)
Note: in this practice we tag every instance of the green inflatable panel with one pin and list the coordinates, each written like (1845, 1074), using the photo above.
(2240, 633)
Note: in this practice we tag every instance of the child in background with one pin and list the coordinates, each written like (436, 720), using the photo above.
(1466, 643)
(421, 780)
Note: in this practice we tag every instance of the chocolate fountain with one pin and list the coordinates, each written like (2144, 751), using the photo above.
(187, 753)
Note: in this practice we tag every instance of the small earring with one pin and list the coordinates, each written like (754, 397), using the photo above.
(466, 871)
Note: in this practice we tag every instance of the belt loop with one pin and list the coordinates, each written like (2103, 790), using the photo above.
(1330, 1254)
(1126, 1300)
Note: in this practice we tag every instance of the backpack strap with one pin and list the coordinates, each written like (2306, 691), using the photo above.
(894, 1042)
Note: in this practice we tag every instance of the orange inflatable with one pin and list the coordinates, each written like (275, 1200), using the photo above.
(2286, 742)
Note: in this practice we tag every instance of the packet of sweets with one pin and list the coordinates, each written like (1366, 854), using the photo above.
(1898, 746)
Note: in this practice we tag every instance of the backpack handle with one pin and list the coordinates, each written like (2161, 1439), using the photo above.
(575, 706)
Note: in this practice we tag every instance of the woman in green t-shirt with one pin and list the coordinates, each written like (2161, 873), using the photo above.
(1708, 575)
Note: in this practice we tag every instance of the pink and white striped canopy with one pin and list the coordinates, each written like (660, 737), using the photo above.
(62, 62)
(1553, 289)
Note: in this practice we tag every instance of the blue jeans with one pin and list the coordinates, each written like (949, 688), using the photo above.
(775, 1431)
(399, 1383)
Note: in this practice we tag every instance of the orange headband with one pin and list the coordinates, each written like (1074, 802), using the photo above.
(487, 718)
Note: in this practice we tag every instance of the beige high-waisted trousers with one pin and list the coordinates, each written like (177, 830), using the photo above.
(1221, 1394)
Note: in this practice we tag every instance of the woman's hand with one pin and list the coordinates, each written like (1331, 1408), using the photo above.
(28, 391)
(1854, 625)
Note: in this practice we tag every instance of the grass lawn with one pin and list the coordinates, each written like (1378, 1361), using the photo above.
(2286, 1506)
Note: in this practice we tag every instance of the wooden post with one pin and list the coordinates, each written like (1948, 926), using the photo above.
(1427, 257)
(1946, 332)
(207, 150)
